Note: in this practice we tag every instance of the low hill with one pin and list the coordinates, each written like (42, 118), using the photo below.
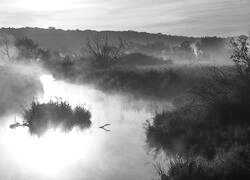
(74, 40)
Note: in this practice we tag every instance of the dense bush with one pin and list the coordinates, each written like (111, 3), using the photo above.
(159, 82)
(193, 131)
(28, 50)
(211, 132)
(104, 52)
(41, 117)
(180, 131)
(230, 165)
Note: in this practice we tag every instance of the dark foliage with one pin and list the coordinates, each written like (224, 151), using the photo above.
(104, 52)
(231, 165)
(27, 48)
(148, 82)
(211, 132)
(41, 117)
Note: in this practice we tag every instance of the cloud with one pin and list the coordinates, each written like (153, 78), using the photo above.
(187, 17)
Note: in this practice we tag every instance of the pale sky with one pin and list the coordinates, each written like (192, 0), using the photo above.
(176, 17)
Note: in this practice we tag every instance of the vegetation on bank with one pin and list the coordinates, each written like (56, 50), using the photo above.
(111, 65)
(41, 117)
(148, 78)
(157, 82)
(210, 132)
(116, 73)
(149, 82)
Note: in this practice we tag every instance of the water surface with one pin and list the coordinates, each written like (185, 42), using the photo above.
(92, 154)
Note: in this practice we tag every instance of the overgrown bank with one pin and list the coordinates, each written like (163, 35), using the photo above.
(210, 133)
(159, 82)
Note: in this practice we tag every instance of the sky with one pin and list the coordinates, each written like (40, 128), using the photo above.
(175, 17)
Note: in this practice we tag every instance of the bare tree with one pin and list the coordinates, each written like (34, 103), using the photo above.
(104, 51)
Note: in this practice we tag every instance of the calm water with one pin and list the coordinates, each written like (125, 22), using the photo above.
(93, 154)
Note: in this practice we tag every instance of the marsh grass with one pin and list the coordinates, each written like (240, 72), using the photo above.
(159, 82)
(55, 114)
(230, 165)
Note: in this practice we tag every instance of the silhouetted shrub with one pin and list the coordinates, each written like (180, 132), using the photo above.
(41, 117)
(104, 52)
(180, 131)
(27, 48)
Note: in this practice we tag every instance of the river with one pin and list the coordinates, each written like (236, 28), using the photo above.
(118, 154)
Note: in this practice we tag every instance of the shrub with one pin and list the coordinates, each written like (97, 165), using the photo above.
(211, 133)
(41, 117)
(230, 165)
(104, 52)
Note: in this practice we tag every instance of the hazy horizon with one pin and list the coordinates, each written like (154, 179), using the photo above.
(187, 17)
(128, 30)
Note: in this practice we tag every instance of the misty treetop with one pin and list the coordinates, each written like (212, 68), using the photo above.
(41, 117)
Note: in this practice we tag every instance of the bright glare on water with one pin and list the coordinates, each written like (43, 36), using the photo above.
(92, 154)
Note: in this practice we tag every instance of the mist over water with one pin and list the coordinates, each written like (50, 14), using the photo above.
(17, 88)
(92, 154)
(165, 95)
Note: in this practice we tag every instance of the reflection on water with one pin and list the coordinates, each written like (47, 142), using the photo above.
(93, 154)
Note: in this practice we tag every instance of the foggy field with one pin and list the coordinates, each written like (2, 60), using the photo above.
(167, 100)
